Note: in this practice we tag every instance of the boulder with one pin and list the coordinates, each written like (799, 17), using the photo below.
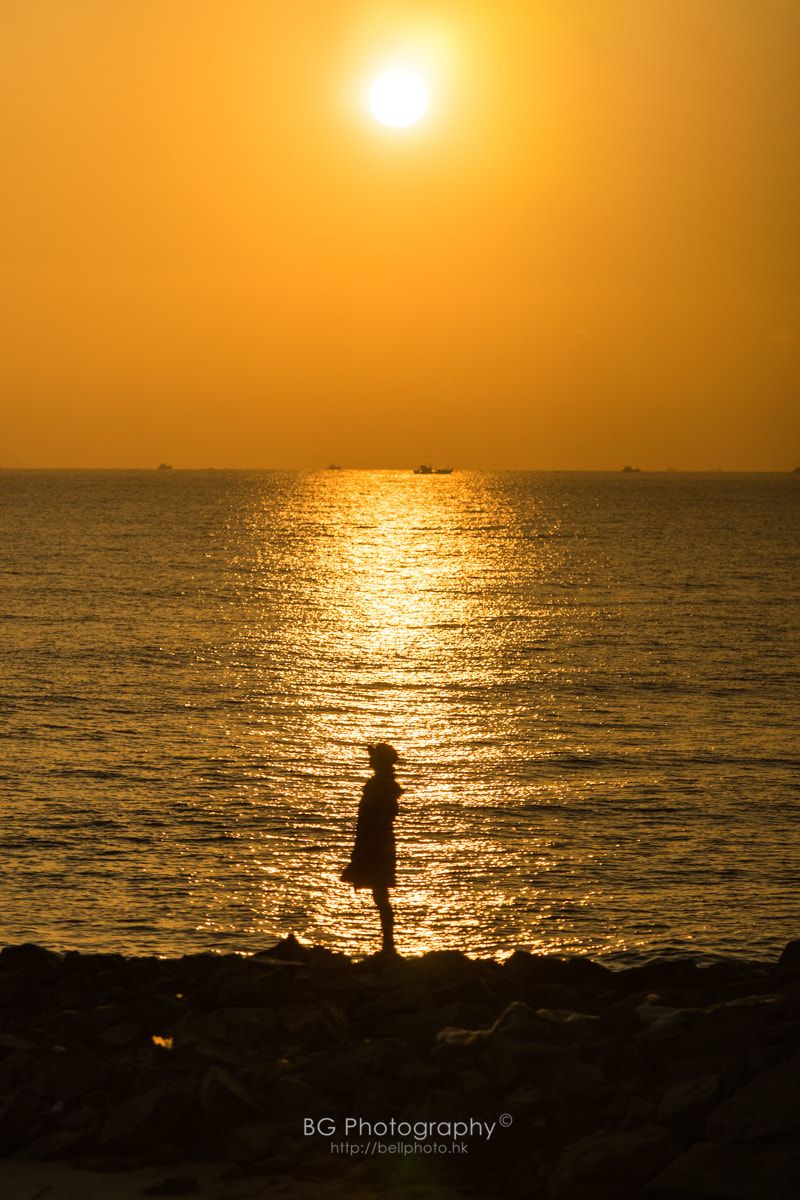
(292, 1099)
(519, 1026)
(59, 1143)
(520, 1045)
(251, 1142)
(659, 974)
(216, 1033)
(22, 1118)
(225, 1101)
(789, 962)
(314, 1025)
(135, 1125)
(524, 969)
(581, 1028)
(174, 1185)
(40, 965)
(579, 1081)
(767, 1107)
(716, 1171)
(271, 988)
(686, 1105)
(608, 1165)
(289, 949)
(66, 1075)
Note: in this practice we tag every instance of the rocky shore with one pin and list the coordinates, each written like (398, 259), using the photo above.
(539, 1078)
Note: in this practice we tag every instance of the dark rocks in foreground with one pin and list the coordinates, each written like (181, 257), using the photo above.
(540, 1078)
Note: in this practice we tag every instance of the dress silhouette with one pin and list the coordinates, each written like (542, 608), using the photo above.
(373, 861)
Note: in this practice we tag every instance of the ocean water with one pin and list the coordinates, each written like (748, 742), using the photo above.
(592, 680)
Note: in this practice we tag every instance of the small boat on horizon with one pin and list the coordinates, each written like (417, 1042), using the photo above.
(427, 469)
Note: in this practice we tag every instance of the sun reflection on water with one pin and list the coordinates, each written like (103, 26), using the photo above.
(591, 680)
(387, 606)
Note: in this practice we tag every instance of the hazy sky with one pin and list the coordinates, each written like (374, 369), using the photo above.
(584, 255)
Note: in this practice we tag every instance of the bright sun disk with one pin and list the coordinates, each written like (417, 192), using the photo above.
(398, 98)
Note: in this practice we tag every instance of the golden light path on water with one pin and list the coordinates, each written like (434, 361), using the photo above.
(591, 680)
(387, 606)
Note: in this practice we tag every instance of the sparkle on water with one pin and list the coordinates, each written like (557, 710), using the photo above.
(591, 681)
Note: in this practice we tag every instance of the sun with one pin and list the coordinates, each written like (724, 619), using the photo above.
(398, 98)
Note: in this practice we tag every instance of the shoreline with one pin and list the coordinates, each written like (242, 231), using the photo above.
(298, 1071)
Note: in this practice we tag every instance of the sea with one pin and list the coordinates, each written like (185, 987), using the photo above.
(592, 681)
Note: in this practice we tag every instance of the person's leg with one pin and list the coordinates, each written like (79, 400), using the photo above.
(381, 898)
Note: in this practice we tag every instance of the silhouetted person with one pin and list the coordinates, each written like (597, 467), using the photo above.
(373, 861)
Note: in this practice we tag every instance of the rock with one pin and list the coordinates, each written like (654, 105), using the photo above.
(13, 992)
(405, 999)
(39, 965)
(732, 1075)
(526, 1101)
(578, 973)
(272, 988)
(292, 1099)
(608, 1165)
(251, 1142)
(550, 996)
(437, 968)
(288, 950)
(124, 1034)
(134, 1125)
(119, 1062)
(322, 961)
(520, 1024)
(174, 1185)
(57, 1144)
(622, 1016)
(332, 1073)
(579, 1081)
(418, 1029)
(21, 1120)
(657, 974)
(315, 1025)
(638, 1111)
(216, 1033)
(786, 1008)
(789, 962)
(581, 1028)
(519, 1045)
(716, 1171)
(226, 1101)
(66, 1075)
(686, 1105)
(10, 1041)
(380, 1056)
(767, 1107)
(665, 1025)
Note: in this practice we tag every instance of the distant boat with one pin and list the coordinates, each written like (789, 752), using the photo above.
(427, 469)
(165, 466)
(632, 470)
(333, 467)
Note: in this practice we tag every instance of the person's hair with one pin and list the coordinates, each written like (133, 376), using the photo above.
(383, 755)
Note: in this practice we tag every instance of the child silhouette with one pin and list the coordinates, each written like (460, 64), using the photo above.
(373, 861)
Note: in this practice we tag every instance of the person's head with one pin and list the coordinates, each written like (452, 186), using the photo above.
(382, 756)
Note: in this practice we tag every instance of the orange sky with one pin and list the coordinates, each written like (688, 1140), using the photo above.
(585, 255)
